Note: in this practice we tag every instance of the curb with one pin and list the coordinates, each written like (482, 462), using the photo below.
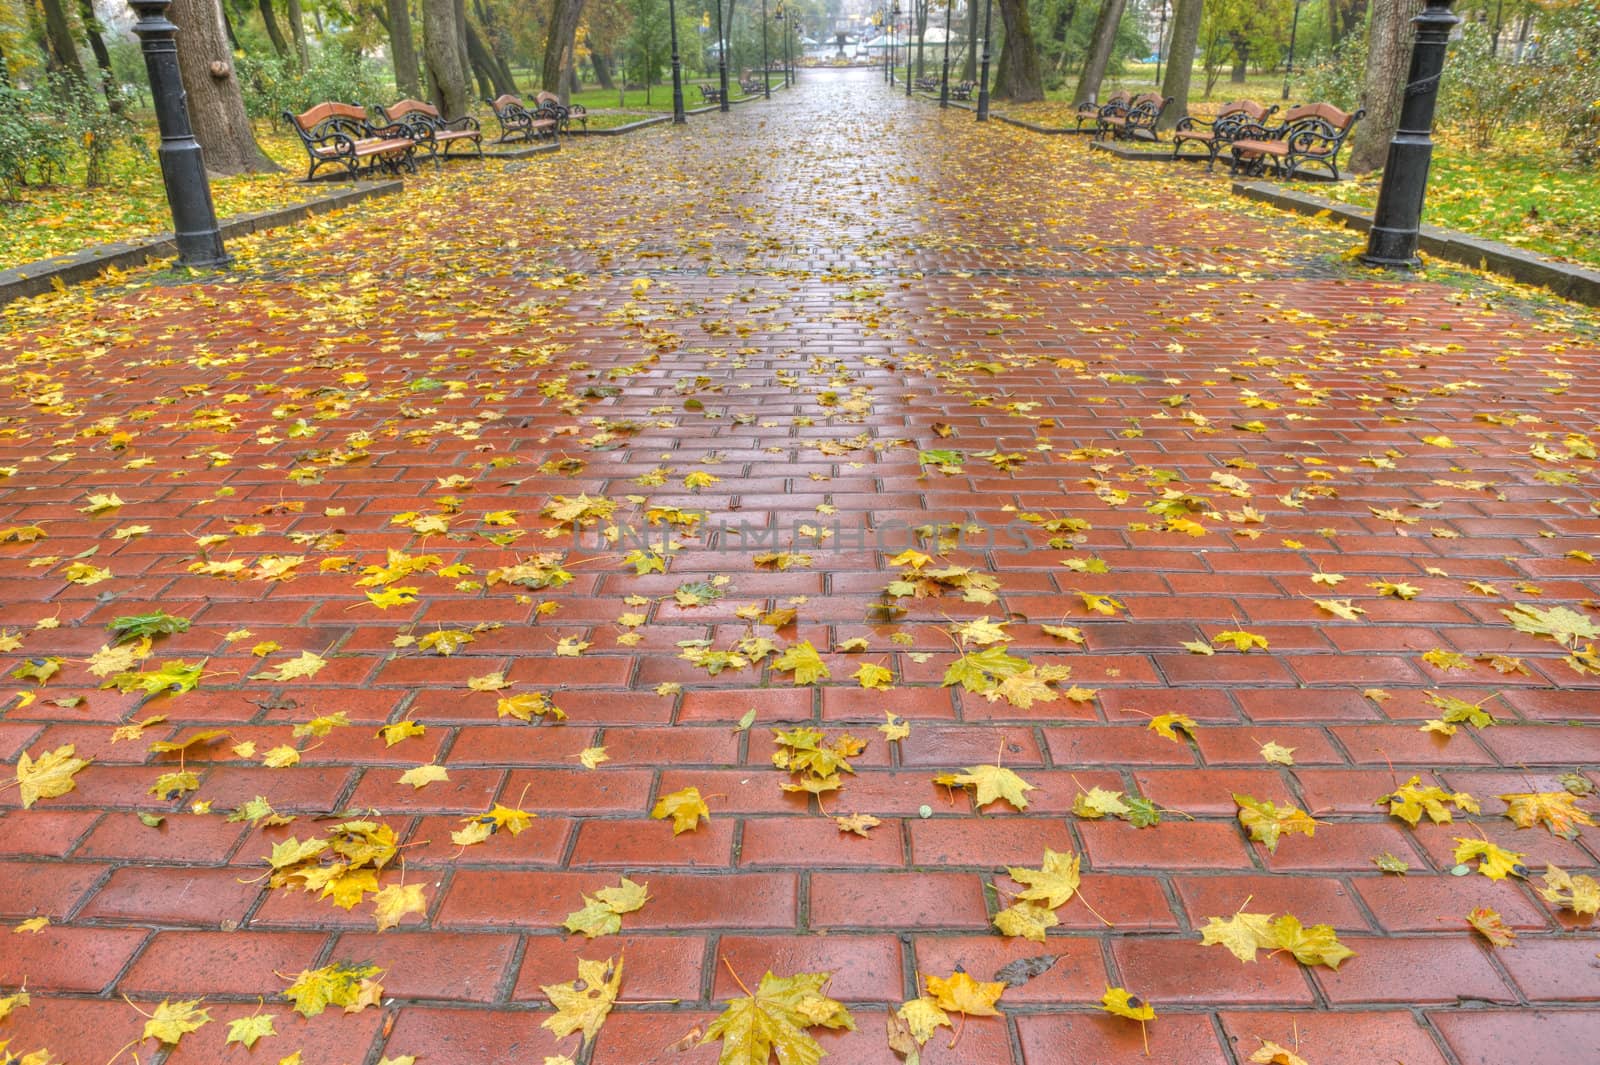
(617, 131)
(1034, 127)
(31, 279)
(527, 152)
(1577, 283)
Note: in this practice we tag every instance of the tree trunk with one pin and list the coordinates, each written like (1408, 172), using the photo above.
(484, 66)
(403, 48)
(1017, 76)
(564, 15)
(297, 30)
(1389, 37)
(216, 106)
(102, 57)
(461, 35)
(1100, 45)
(602, 67)
(1241, 59)
(1180, 59)
(969, 63)
(446, 71)
(494, 38)
(274, 34)
(1522, 35)
(1344, 16)
(63, 49)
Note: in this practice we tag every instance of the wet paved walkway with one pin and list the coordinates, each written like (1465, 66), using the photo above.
(757, 361)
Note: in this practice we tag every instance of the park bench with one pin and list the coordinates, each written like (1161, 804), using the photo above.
(1090, 110)
(1211, 135)
(927, 83)
(961, 90)
(519, 123)
(565, 113)
(1135, 121)
(431, 129)
(1310, 136)
(341, 135)
(710, 94)
(750, 83)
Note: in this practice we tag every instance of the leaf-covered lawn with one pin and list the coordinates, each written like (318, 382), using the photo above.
(1523, 192)
(58, 219)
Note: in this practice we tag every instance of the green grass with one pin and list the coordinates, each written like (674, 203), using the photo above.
(1521, 192)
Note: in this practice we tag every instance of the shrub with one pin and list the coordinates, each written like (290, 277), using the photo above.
(1570, 88)
(94, 125)
(273, 85)
(1337, 75)
(33, 147)
(1482, 93)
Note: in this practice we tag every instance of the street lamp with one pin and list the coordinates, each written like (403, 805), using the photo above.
(1294, 28)
(781, 17)
(722, 62)
(1392, 241)
(766, 82)
(909, 26)
(944, 79)
(983, 84)
(183, 170)
(678, 117)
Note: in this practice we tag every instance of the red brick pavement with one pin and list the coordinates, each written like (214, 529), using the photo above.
(796, 309)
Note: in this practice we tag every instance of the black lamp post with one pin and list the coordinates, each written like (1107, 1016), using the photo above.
(983, 83)
(909, 27)
(1392, 241)
(722, 62)
(1161, 36)
(678, 117)
(183, 170)
(944, 79)
(1294, 30)
(766, 82)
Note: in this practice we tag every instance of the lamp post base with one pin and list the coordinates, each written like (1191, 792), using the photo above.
(1392, 249)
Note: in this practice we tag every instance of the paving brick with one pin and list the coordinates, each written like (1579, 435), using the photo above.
(332, 1036)
(1315, 900)
(1169, 845)
(1108, 1040)
(1555, 970)
(1343, 1038)
(452, 967)
(897, 900)
(656, 967)
(72, 1029)
(1490, 1037)
(1078, 975)
(644, 843)
(62, 959)
(1424, 903)
(866, 968)
(1182, 972)
(39, 833)
(947, 841)
(44, 889)
(189, 963)
(505, 899)
(174, 896)
(1453, 969)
